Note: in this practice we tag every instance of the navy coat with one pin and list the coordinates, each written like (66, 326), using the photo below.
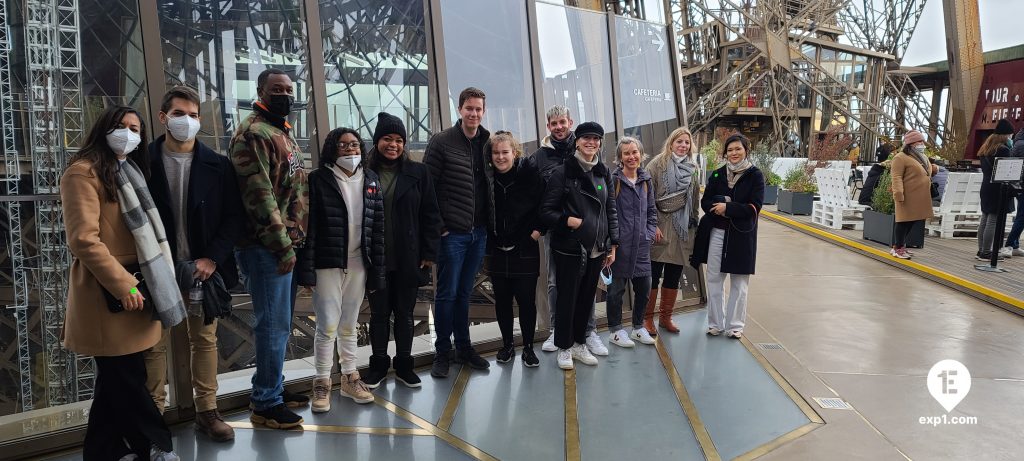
(215, 219)
(638, 221)
(740, 250)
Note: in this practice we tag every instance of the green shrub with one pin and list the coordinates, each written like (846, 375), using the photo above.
(762, 157)
(797, 180)
(881, 198)
(711, 153)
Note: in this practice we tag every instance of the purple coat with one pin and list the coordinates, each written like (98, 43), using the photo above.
(638, 220)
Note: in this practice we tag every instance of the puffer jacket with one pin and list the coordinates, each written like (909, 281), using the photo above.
(327, 237)
(638, 221)
(449, 156)
(572, 192)
(515, 198)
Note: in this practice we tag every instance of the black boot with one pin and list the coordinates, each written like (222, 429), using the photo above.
(379, 365)
(404, 372)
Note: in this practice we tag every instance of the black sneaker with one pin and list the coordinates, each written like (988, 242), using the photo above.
(505, 354)
(408, 377)
(440, 367)
(293, 400)
(276, 417)
(471, 358)
(529, 358)
(372, 378)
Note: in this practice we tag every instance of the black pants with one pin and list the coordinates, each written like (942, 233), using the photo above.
(900, 233)
(123, 411)
(524, 289)
(576, 279)
(672, 274)
(398, 299)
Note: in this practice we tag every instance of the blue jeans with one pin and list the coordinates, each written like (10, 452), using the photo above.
(458, 263)
(641, 293)
(1013, 239)
(272, 304)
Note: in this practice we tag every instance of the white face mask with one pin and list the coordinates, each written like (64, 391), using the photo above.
(919, 149)
(349, 162)
(183, 128)
(122, 141)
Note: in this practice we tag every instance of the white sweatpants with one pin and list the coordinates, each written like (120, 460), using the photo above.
(735, 316)
(336, 300)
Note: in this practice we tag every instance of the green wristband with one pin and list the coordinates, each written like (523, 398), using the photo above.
(134, 291)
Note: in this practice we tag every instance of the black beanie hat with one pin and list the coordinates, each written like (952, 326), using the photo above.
(591, 128)
(1004, 127)
(388, 124)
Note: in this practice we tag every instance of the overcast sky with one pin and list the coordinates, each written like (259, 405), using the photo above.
(1002, 22)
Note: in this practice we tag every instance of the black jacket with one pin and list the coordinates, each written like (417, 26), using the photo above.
(739, 253)
(215, 218)
(515, 198)
(572, 192)
(327, 232)
(548, 158)
(415, 220)
(449, 155)
(870, 184)
(990, 190)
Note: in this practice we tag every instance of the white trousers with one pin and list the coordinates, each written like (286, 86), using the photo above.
(336, 300)
(721, 316)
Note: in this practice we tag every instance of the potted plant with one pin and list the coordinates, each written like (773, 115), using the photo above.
(797, 194)
(763, 158)
(880, 220)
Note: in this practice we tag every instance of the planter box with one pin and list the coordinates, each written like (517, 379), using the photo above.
(771, 195)
(879, 227)
(796, 203)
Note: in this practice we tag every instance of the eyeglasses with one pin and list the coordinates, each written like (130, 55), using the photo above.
(350, 145)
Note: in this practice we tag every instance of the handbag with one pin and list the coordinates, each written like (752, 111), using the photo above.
(935, 191)
(114, 304)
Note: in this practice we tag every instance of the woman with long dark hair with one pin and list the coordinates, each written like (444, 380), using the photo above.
(112, 226)
(996, 145)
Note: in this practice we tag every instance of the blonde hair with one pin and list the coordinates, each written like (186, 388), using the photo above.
(992, 143)
(666, 154)
(627, 140)
(503, 136)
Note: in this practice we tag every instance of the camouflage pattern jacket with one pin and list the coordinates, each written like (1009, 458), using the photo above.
(273, 186)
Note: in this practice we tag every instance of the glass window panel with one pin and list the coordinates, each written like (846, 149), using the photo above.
(645, 73)
(575, 62)
(486, 45)
(220, 49)
(375, 55)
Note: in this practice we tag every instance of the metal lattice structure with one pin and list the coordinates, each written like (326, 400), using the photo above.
(767, 57)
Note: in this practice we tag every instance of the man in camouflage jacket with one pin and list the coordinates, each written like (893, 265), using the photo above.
(272, 182)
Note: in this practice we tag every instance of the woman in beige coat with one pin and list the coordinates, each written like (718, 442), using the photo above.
(911, 189)
(675, 176)
(123, 419)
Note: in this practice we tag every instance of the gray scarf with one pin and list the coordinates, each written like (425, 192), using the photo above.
(734, 172)
(678, 179)
(154, 253)
(587, 166)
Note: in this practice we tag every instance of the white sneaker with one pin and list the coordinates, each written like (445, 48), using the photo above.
(549, 344)
(564, 359)
(582, 353)
(156, 454)
(1006, 252)
(1017, 252)
(642, 336)
(621, 338)
(595, 345)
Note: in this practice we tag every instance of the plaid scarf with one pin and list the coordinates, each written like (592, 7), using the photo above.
(154, 253)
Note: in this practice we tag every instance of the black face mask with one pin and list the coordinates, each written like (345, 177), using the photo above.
(279, 104)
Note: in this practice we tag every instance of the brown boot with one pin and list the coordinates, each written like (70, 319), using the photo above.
(211, 424)
(652, 302)
(668, 302)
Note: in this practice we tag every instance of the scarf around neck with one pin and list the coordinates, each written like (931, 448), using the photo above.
(678, 180)
(565, 145)
(587, 166)
(734, 172)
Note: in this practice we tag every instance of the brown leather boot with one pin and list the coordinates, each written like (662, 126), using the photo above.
(211, 424)
(652, 302)
(668, 302)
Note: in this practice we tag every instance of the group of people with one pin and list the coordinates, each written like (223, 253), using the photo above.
(157, 229)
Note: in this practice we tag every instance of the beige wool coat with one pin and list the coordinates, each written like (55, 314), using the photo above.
(672, 249)
(911, 188)
(101, 245)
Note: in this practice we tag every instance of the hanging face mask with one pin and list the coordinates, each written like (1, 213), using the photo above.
(122, 141)
(349, 162)
(919, 149)
(183, 128)
(280, 104)
(606, 276)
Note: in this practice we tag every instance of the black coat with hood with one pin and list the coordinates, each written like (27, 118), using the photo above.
(572, 192)
(327, 231)
(515, 200)
(739, 251)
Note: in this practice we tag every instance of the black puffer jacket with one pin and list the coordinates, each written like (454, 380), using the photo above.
(449, 156)
(515, 198)
(572, 192)
(327, 232)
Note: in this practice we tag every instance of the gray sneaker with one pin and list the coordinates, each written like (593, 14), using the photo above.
(156, 454)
